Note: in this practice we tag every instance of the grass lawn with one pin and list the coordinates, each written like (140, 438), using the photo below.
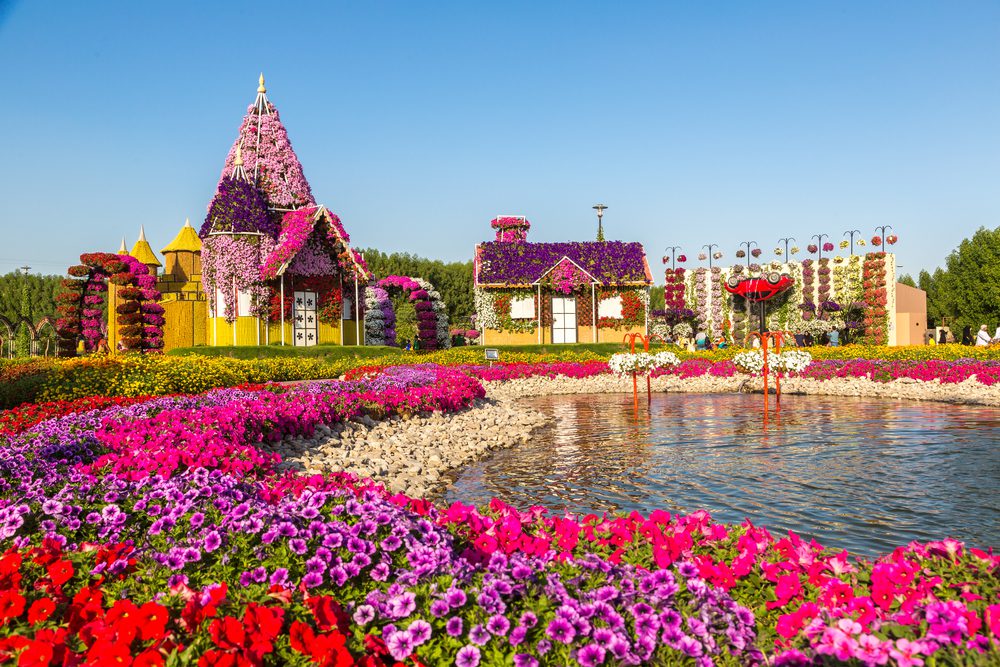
(329, 352)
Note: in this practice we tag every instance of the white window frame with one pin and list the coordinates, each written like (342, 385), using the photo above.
(522, 308)
(610, 307)
(347, 311)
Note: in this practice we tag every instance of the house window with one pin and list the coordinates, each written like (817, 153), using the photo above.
(220, 303)
(243, 304)
(522, 308)
(348, 310)
(610, 307)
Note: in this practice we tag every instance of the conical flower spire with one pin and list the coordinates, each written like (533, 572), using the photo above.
(269, 162)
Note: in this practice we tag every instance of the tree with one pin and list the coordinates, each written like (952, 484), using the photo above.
(907, 279)
(452, 279)
(968, 292)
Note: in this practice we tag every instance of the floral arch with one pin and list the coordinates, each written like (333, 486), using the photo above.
(139, 318)
(380, 318)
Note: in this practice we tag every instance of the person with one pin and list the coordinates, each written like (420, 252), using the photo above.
(834, 337)
(983, 337)
(967, 335)
(722, 344)
(996, 336)
(931, 340)
(942, 337)
(408, 346)
(416, 344)
(699, 339)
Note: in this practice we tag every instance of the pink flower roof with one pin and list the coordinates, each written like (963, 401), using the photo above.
(267, 152)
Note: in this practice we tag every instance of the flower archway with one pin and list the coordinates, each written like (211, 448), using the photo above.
(380, 318)
(139, 318)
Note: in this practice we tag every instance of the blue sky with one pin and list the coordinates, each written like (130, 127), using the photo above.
(418, 122)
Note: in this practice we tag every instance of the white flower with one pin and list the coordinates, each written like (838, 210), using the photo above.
(790, 361)
(751, 361)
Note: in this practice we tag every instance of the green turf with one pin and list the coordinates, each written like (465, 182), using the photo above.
(331, 352)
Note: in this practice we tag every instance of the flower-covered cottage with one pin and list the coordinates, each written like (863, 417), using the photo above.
(583, 291)
(269, 264)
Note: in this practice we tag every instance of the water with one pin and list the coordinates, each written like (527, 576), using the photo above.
(867, 475)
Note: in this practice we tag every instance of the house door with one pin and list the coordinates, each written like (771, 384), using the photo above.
(304, 320)
(563, 319)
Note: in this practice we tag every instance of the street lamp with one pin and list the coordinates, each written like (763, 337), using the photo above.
(709, 249)
(786, 242)
(881, 230)
(600, 208)
(851, 233)
(748, 244)
(23, 338)
(819, 243)
(673, 251)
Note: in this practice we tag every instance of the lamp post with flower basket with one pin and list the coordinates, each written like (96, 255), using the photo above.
(673, 256)
(786, 241)
(881, 232)
(600, 208)
(819, 243)
(748, 245)
(709, 248)
(851, 233)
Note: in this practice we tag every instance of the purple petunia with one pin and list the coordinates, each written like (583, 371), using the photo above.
(590, 655)
(468, 656)
(479, 635)
(454, 626)
(560, 630)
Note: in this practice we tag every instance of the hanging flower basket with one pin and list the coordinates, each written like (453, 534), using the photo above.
(891, 239)
(740, 254)
(828, 247)
(813, 248)
(756, 252)
(876, 240)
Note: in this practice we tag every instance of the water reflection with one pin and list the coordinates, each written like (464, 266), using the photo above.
(862, 474)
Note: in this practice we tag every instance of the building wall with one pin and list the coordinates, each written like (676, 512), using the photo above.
(185, 322)
(251, 332)
(911, 315)
(584, 334)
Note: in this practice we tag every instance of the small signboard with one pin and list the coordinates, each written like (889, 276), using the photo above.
(492, 355)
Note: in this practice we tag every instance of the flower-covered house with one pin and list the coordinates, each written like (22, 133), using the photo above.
(572, 292)
(269, 264)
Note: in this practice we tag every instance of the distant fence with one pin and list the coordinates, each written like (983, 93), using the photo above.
(42, 336)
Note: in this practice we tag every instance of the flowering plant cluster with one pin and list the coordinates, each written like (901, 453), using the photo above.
(230, 264)
(628, 363)
(633, 308)
(139, 317)
(876, 317)
(432, 314)
(218, 558)
(238, 207)
(511, 229)
(673, 289)
(567, 278)
(788, 361)
(309, 253)
(267, 152)
(610, 262)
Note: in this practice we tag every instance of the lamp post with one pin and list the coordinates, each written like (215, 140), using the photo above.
(709, 249)
(851, 233)
(819, 243)
(600, 208)
(881, 230)
(23, 340)
(786, 241)
(748, 244)
(673, 255)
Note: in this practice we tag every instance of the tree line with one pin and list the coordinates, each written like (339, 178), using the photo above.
(41, 300)
(967, 291)
(452, 279)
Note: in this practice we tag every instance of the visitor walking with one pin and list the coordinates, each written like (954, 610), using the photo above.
(967, 335)
(942, 337)
(834, 338)
(983, 337)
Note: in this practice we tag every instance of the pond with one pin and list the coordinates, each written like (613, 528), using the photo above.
(867, 475)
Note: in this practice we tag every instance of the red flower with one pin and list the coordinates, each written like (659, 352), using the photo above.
(216, 658)
(41, 610)
(227, 633)
(262, 624)
(149, 658)
(151, 619)
(11, 605)
(60, 572)
(36, 654)
(328, 613)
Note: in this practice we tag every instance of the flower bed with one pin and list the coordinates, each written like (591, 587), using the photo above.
(156, 530)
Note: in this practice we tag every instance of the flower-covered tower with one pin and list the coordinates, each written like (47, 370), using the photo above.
(274, 263)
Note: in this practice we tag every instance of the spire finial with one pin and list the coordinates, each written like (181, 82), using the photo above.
(239, 155)
(142, 234)
(260, 87)
(123, 250)
(187, 222)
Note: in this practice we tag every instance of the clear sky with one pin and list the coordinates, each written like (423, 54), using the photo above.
(417, 122)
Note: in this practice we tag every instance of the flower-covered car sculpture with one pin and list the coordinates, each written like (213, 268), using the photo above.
(763, 288)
